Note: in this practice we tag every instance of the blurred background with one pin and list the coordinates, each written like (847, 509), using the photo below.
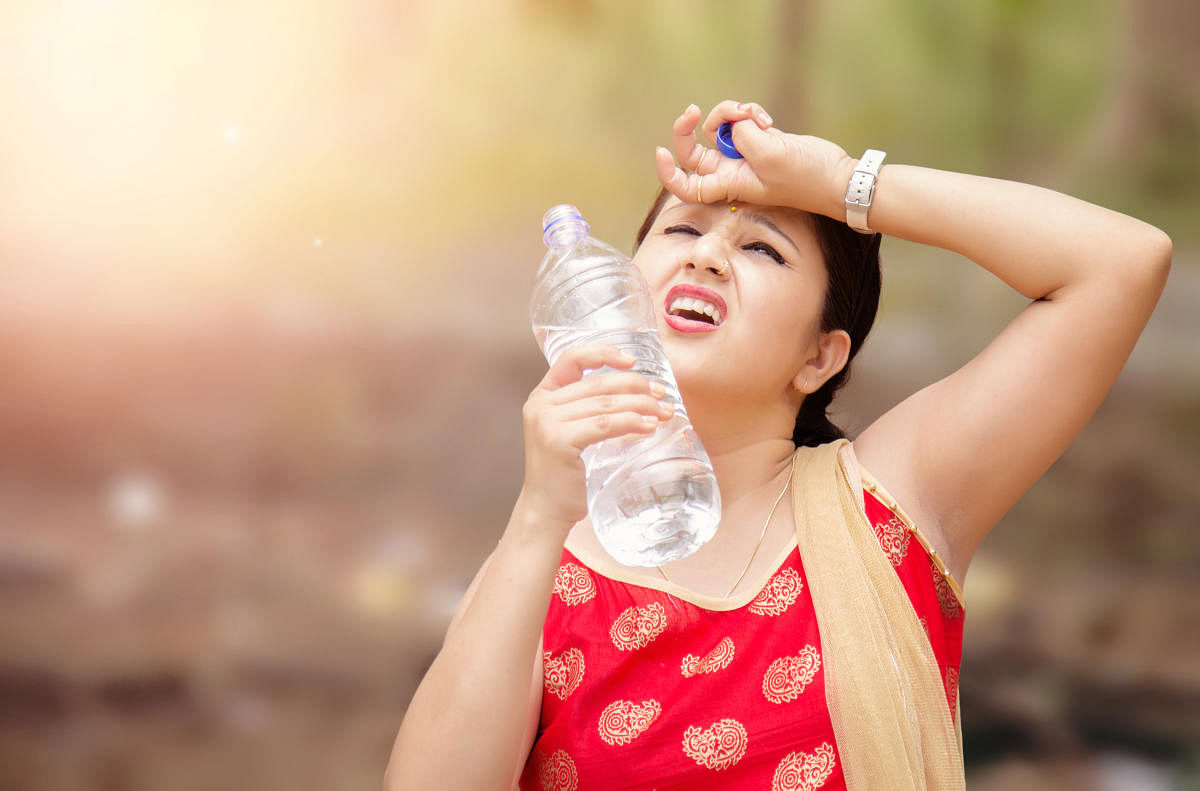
(264, 269)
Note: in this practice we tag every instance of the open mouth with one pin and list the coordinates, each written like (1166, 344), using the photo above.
(695, 309)
(692, 308)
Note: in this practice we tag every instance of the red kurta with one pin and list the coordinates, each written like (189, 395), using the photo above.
(650, 689)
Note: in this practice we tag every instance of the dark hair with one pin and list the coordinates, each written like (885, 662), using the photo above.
(851, 300)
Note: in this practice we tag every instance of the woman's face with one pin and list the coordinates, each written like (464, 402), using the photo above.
(738, 295)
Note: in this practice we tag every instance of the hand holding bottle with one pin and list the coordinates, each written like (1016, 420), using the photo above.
(567, 412)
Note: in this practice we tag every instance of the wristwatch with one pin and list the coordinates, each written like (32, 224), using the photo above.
(862, 190)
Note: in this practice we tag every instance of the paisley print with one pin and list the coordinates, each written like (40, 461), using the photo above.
(945, 594)
(562, 674)
(952, 689)
(804, 771)
(676, 692)
(717, 747)
(556, 772)
(637, 626)
(574, 584)
(716, 659)
(622, 721)
(893, 538)
(787, 676)
(778, 594)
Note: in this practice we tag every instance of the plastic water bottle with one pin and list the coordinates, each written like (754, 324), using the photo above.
(651, 498)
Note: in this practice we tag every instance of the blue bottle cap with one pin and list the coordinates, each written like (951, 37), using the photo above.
(725, 141)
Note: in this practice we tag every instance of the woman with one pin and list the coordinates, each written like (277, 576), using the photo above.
(564, 670)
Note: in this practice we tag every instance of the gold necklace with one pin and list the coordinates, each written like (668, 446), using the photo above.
(761, 535)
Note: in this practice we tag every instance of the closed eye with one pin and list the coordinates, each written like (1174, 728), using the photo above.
(763, 247)
(682, 228)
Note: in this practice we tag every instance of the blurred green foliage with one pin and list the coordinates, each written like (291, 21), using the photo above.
(572, 97)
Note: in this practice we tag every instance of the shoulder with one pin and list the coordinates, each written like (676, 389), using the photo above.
(886, 472)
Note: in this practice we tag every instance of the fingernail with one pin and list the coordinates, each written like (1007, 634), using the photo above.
(649, 421)
(666, 410)
(657, 390)
(743, 106)
(691, 107)
(765, 119)
(627, 357)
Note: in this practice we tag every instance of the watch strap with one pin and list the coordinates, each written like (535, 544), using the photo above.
(861, 190)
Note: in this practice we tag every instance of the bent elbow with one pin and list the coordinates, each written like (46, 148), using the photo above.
(1159, 254)
(1157, 263)
(1148, 262)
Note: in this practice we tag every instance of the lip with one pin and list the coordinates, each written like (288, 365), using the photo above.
(688, 325)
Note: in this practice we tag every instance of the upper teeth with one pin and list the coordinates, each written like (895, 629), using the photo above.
(697, 306)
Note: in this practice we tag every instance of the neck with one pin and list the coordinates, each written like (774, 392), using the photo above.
(752, 474)
(745, 469)
(750, 448)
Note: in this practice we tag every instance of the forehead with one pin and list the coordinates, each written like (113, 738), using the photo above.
(782, 216)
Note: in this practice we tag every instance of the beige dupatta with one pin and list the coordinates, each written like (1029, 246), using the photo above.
(893, 727)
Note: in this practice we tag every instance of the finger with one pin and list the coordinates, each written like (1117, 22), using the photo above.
(674, 179)
(688, 150)
(730, 111)
(727, 111)
(570, 366)
(613, 404)
(607, 384)
(581, 433)
(710, 158)
(760, 116)
(692, 187)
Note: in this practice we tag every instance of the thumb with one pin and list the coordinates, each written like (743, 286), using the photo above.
(752, 142)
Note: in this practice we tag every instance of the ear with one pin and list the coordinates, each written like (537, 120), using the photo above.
(833, 349)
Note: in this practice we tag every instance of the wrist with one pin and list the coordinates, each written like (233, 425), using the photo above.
(534, 524)
(860, 191)
(842, 173)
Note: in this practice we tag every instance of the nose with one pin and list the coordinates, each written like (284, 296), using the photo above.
(708, 254)
(719, 269)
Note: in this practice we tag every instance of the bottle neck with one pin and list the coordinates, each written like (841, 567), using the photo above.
(563, 226)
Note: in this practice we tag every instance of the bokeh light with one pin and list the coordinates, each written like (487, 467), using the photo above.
(264, 271)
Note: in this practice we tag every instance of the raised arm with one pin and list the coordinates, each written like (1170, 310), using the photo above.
(473, 719)
(959, 453)
(963, 450)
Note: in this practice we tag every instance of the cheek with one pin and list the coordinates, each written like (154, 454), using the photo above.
(792, 310)
(651, 262)
(791, 328)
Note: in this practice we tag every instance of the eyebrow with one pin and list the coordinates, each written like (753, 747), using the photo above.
(762, 219)
(765, 220)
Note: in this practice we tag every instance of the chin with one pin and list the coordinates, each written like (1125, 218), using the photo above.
(694, 385)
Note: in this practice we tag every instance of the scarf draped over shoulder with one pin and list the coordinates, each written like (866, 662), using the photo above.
(894, 730)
